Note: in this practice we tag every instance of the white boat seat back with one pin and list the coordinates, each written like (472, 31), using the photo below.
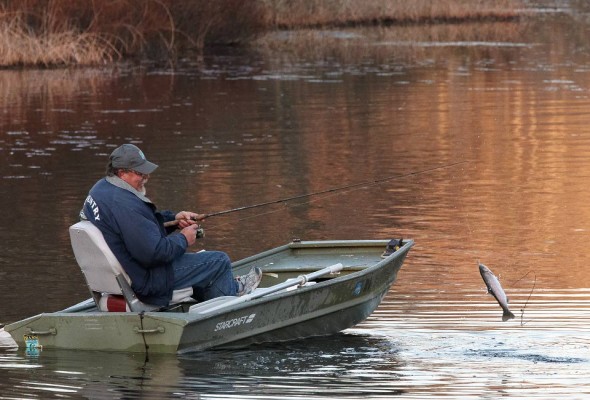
(100, 266)
(96, 260)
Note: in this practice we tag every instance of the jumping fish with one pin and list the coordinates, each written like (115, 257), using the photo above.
(495, 289)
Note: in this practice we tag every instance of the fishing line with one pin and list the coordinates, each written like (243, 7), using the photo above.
(521, 278)
(328, 192)
(522, 323)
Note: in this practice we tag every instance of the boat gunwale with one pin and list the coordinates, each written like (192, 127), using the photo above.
(314, 244)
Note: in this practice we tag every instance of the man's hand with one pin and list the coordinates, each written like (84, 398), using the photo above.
(190, 233)
(188, 218)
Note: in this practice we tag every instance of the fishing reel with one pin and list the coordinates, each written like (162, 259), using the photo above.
(200, 232)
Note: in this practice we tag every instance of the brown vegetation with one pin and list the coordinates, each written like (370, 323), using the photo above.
(288, 14)
(90, 32)
(58, 32)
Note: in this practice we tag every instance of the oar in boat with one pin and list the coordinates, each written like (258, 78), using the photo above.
(261, 292)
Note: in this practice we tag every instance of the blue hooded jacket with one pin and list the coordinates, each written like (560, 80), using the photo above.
(134, 231)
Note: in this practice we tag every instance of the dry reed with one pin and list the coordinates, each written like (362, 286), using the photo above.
(18, 46)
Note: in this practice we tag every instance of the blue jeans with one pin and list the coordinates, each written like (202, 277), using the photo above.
(208, 272)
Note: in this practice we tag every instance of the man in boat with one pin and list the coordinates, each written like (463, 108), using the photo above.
(155, 256)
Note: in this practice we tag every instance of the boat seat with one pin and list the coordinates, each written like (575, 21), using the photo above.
(104, 275)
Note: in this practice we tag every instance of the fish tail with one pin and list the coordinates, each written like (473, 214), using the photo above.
(507, 315)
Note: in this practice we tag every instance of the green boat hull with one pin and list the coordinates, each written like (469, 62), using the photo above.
(329, 306)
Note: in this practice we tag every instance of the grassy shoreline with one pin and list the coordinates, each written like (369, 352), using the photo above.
(286, 14)
(55, 33)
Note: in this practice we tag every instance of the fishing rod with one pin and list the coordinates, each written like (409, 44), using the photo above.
(325, 191)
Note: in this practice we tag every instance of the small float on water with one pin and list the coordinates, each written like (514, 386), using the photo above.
(309, 288)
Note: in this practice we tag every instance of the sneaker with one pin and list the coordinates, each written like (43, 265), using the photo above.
(247, 283)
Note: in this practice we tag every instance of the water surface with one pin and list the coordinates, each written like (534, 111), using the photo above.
(242, 129)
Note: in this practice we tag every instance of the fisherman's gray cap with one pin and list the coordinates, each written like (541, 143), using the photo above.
(129, 156)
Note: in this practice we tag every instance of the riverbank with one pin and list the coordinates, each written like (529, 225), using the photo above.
(39, 33)
(351, 13)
